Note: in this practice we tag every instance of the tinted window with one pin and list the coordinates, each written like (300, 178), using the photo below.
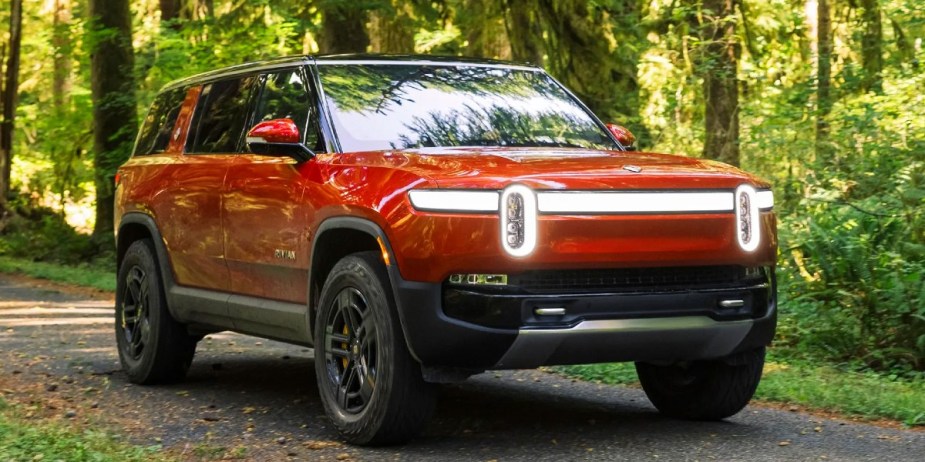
(397, 106)
(158, 125)
(220, 116)
(286, 96)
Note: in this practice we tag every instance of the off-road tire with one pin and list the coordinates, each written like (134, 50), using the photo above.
(153, 347)
(703, 390)
(400, 402)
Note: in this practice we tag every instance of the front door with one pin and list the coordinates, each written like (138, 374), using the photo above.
(265, 221)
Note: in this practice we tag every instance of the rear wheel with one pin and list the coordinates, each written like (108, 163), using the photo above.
(371, 387)
(703, 390)
(153, 347)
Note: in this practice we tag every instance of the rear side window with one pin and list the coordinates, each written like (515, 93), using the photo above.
(158, 125)
(220, 116)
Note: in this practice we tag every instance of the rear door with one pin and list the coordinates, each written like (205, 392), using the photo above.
(191, 210)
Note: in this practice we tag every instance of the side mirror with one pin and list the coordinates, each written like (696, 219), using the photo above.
(278, 137)
(623, 135)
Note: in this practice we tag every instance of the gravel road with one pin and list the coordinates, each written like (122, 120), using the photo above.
(255, 399)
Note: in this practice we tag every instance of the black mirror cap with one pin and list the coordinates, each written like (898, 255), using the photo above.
(297, 151)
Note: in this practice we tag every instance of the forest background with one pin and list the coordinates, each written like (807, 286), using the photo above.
(822, 97)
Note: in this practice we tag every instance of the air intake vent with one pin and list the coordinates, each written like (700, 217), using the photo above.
(637, 279)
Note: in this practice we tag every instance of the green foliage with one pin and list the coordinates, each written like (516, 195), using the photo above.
(609, 373)
(97, 276)
(22, 440)
(41, 234)
(865, 394)
(853, 235)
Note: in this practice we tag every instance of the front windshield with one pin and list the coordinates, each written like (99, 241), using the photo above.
(406, 106)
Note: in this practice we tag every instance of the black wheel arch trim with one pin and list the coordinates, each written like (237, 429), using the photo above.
(395, 280)
(163, 258)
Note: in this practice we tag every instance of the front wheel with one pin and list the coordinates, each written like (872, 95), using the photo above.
(371, 387)
(703, 390)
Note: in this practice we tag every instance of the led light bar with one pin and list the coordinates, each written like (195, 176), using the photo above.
(748, 219)
(454, 201)
(765, 199)
(634, 202)
(518, 220)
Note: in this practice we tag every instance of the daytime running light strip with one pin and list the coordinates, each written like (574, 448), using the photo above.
(587, 202)
(452, 201)
(765, 199)
(634, 202)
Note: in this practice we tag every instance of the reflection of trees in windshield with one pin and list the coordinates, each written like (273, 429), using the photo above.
(496, 126)
(404, 106)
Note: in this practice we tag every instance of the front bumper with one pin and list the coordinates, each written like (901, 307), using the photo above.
(502, 331)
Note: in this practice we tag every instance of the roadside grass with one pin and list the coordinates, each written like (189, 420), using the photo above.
(27, 440)
(85, 275)
(825, 387)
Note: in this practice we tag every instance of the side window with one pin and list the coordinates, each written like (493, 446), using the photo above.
(220, 116)
(158, 125)
(285, 95)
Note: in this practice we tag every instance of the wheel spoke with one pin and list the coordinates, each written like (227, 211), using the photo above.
(346, 394)
(129, 315)
(351, 320)
(368, 328)
(334, 337)
(366, 387)
(132, 286)
(339, 352)
(344, 376)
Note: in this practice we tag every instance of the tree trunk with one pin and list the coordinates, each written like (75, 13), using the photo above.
(391, 30)
(170, 10)
(872, 46)
(823, 79)
(525, 31)
(10, 100)
(113, 90)
(718, 67)
(482, 23)
(61, 42)
(343, 28)
(193, 10)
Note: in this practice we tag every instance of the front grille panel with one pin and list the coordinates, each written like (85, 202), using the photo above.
(633, 279)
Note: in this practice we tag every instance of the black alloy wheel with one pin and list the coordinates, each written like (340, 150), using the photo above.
(352, 350)
(136, 325)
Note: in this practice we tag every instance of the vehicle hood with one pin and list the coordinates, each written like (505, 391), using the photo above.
(560, 168)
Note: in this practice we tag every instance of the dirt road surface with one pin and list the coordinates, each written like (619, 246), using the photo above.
(254, 399)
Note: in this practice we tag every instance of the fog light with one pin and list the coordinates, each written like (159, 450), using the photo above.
(752, 272)
(479, 279)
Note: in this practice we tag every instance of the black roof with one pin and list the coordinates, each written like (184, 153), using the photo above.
(401, 57)
(294, 60)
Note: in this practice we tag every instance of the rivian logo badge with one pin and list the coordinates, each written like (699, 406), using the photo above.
(632, 168)
(281, 254)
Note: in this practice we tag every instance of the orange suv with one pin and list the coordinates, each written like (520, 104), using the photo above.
(418, 220)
